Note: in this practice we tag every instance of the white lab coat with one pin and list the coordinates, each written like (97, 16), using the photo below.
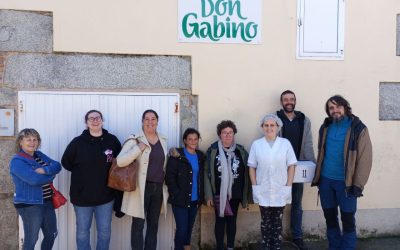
(271, 164)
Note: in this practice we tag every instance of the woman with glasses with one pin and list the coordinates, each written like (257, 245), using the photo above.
(32, 173)
(144, 204)
(88, 157)
(272, 165)
(226, 182)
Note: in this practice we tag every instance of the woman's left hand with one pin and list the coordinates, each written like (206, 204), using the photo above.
(40, 171)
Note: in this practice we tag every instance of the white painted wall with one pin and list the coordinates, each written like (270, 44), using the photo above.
(243, 82)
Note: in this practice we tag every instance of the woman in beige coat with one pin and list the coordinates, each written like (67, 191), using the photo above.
(144, 204)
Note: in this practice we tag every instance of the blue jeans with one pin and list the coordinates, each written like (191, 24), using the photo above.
(333, 194)
(84, 216)
(38, 217)
(296, 213)
(153, 198)
(184, 220)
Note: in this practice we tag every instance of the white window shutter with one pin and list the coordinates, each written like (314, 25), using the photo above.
(320, 29)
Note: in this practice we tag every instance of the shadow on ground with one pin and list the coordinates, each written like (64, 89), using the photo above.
(390, 243)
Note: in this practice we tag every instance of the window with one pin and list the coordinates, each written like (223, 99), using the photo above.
(320, 29)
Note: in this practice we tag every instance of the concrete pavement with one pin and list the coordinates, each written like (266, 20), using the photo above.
(388, 243)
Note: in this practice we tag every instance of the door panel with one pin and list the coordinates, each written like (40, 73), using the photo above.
(59, 117)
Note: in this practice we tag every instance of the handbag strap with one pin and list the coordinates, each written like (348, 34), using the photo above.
(52, 187)
(129, 140)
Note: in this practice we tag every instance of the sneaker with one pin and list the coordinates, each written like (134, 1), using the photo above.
(300, 244)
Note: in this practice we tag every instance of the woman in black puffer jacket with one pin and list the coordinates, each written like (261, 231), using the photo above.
(184, 178)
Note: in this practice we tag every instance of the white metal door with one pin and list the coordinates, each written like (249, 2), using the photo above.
(59, 117)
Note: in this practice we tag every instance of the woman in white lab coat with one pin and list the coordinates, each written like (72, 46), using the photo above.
(272, 164)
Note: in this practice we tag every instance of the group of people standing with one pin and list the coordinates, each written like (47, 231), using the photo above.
(224, 178)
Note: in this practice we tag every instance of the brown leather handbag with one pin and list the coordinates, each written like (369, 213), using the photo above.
(123, 178)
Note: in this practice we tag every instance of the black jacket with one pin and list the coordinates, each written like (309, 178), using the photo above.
(179, 177)
(86, 158)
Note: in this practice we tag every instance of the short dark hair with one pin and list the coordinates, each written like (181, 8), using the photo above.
(287, 92)
(149, 111)
(340, 101)
(93, 111)
(226, 124)
(189, 131)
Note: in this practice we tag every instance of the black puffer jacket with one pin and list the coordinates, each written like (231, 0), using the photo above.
(179, 177)
(89, 159)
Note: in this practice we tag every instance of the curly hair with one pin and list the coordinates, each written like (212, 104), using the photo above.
(226, 124)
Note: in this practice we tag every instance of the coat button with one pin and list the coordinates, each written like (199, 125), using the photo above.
(190, 194)
(190, 172)
(190, 183)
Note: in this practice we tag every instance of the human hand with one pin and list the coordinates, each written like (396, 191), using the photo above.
(40, 171)
(355, 191)
(210, 203)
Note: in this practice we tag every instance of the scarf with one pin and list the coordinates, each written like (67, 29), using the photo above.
(226, 175)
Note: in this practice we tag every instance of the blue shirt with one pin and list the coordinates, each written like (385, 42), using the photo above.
(333, 165)
(192, 158)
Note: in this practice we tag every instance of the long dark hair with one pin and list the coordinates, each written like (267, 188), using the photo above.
(149, 111)
(339, 101)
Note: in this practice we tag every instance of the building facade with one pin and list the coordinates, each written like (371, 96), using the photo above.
(131, 48)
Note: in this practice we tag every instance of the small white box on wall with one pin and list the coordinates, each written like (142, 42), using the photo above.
(6, 122)
(305, 171)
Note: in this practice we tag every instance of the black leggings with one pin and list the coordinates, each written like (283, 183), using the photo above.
(271, 227)
(230, 223)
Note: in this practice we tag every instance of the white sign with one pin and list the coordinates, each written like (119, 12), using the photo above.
(219, 21)
(6, 122)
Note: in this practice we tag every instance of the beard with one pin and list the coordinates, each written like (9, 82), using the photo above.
(337, 118)
(289, 108)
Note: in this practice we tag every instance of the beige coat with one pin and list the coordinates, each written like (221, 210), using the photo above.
(133, 202)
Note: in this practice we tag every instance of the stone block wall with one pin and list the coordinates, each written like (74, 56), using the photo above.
(27, 62)
(389, 101)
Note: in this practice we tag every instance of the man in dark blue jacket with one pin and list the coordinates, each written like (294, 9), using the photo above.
(297, 129)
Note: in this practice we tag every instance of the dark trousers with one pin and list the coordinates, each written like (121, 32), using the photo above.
(333, 195)
(296, 212)
(153, 197)
(271, 227)
(230, 223)
(184, 220)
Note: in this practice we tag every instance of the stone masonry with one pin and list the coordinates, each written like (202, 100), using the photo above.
(27, 62)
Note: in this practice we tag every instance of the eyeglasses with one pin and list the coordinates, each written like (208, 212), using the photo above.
(94, 119)
(227, 133)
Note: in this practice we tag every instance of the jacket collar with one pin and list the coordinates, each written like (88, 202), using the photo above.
(298, 114)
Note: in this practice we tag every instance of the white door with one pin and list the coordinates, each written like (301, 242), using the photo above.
(59, 117)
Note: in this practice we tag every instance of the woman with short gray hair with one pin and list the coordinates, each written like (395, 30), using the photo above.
(271, 167)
